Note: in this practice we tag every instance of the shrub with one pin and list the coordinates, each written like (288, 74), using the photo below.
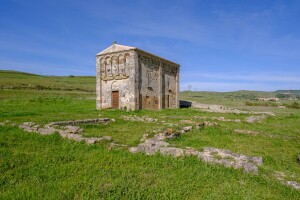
(293, 105)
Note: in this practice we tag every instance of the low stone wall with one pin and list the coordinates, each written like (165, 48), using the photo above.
(82, 121)
(66, 129)
(224, 157)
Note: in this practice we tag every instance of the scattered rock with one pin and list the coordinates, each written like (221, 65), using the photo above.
(200, 126)
(134, 149)
(298, 158)
(92, 140)
(294, 184)
(246, 132)
(187, 128)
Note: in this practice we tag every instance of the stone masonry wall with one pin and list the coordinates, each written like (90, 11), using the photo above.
(115, 72)
(158, 82)
(144, 81)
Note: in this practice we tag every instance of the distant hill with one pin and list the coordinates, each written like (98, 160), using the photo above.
(10, 79)
(13, 72)
(296, 92)
(21, 80)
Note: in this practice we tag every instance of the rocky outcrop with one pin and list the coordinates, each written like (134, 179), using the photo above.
(224, 157)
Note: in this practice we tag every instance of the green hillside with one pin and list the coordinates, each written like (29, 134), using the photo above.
(35, 166)
(21, 80)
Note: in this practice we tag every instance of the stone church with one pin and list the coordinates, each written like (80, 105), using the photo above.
(132, 79)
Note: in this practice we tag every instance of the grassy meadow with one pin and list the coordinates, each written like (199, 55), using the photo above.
(33, 166)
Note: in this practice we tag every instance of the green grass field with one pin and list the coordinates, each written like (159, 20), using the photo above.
(33, 166)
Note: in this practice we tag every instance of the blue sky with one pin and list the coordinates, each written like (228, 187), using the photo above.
(221, 45)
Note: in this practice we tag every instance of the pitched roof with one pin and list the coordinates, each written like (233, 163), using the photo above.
(115, 48)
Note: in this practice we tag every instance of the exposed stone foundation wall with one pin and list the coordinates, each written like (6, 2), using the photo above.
(83, 121)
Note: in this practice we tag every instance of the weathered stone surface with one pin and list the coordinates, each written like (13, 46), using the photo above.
(47, 131)
(209, 154)
(173, 151)
(69, 131)
(187, 128)
(134, 149)
(29, 127)
(294, 184)
(230, 159)
(92, 140)
(73, 129)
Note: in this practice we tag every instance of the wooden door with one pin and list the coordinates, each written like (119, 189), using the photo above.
(115, 99)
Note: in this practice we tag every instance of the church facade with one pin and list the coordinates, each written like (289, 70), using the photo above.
(132, 79)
